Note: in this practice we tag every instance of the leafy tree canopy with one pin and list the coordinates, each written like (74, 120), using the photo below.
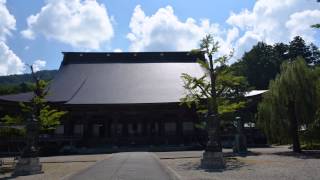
(290, 102)
(262, 63)
(47, 116)
(227, 95)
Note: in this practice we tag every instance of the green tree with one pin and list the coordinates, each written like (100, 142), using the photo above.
(298, 47)
(313, 130)
(48, 117)
(216, 93)
(280, 54)
(315, 54)
(290, 103)
(262, 63)
(259, 65)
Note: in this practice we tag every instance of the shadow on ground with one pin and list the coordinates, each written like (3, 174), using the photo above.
(5, 172)
(308, 154)
(7, 178)
(249, 153)
(8, 175)
(232, 163)
(11, 176)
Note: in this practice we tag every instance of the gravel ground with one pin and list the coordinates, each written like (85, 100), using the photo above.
(61, 167)
(262, 163)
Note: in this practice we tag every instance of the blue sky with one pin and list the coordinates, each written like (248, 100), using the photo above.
(38, 32)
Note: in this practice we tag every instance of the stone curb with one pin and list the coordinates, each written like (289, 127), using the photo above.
(173, 175)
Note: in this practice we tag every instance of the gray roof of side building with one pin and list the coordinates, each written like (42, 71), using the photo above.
(120, 78)
(21, 97)
(255, 93)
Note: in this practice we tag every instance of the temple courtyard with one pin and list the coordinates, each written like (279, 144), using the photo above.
(260, 163)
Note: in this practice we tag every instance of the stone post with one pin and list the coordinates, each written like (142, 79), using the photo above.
(213, 156)
(240, 141)
(29, 162)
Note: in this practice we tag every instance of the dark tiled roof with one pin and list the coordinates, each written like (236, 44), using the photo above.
(122, 78)
(21, 97)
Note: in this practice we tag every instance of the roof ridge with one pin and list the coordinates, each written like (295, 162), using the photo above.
(130, 57)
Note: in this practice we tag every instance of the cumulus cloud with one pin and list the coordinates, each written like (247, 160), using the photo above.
(164, 31)
(117, 50)
(38, 65)
(10, 63)
(7, 21)
(270, 21)
(275, 21)
(79, 23)
(299, 24)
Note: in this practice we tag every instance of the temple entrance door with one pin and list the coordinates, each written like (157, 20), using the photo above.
(134, 132)
(97, 130)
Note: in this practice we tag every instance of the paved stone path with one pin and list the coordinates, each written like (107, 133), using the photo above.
(123, 166)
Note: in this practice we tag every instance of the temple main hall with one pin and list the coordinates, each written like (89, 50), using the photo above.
(120, 98)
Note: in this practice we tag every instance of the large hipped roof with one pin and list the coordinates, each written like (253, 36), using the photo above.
(122, 78)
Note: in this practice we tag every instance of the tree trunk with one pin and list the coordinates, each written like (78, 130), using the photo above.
(294, 128)
(214, 141)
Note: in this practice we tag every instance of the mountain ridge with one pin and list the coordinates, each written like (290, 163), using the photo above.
(20, 83)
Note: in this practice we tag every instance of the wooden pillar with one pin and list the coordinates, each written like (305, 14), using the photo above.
(179, 122)
(87, 126)
(114, 132)
(144, 128)
(103, 129)
(152, 129)
(68, 125)
(161, 127)
(179, 127)
(161, 131)
(125, 132)
(107, 127)
(113, 127)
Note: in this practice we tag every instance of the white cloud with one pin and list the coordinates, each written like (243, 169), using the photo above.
(270, 21)
(163, 31)
(117, 50)
(80, 23)
(299, 23)
(10, 63)
(38, 65)
(275, 21)
(7, 21)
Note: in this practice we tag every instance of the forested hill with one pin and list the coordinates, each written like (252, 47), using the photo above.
(23, 82)
(26, 78)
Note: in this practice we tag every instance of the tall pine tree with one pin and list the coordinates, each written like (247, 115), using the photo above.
(298, 47)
